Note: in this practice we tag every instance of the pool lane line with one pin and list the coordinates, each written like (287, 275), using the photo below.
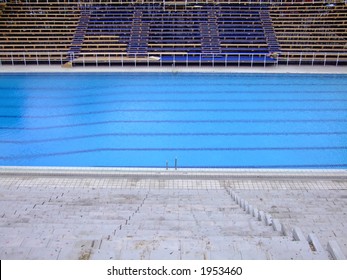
(140, 101)
(50, 116)
(181, 84)
(177, 121)
(101, 135)
(58, 96)
(191, 149)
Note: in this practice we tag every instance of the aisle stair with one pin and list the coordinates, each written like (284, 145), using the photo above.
(269, 31)
(210, 42)
(138, 43)
(80, 32)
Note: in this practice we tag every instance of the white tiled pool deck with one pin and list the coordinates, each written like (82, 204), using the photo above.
(110, 213)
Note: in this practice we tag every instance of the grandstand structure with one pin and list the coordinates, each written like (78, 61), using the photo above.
(175, 32)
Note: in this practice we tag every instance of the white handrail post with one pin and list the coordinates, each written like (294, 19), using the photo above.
(300, 59)
(109, 59)
(213, 60)
(313, 54)
(287, 58)
(161, 60)
(49, 59)
(337, 59)
(325, 58)
(96, 60)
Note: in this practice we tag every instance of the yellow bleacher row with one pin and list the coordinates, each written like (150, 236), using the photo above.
(37, 27)
(310, 28)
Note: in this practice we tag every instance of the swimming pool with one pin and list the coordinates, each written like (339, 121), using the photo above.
(148, 119)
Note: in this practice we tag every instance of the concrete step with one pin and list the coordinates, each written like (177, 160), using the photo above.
(153, 224)
(205, 248)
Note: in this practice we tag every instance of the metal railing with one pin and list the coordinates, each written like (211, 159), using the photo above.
(173, 59)
(33, 58)
(181, 2)
(313, 58)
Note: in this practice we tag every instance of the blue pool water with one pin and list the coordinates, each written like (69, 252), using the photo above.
(203, 120)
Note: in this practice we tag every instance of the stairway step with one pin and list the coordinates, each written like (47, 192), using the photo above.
(203, 248)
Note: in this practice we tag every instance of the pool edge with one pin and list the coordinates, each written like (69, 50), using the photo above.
(171, 173)
(230, 70)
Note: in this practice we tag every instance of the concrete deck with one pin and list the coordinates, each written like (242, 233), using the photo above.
(92, 213)
(181, 69)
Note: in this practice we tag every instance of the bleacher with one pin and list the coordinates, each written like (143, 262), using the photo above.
(171, 34)
(36, 32)
(144, 32)
(109, 29)
(308, 32)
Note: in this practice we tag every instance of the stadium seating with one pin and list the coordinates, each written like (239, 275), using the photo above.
(319, 31)
(170, 33)
(37, 32)
(119, 32)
